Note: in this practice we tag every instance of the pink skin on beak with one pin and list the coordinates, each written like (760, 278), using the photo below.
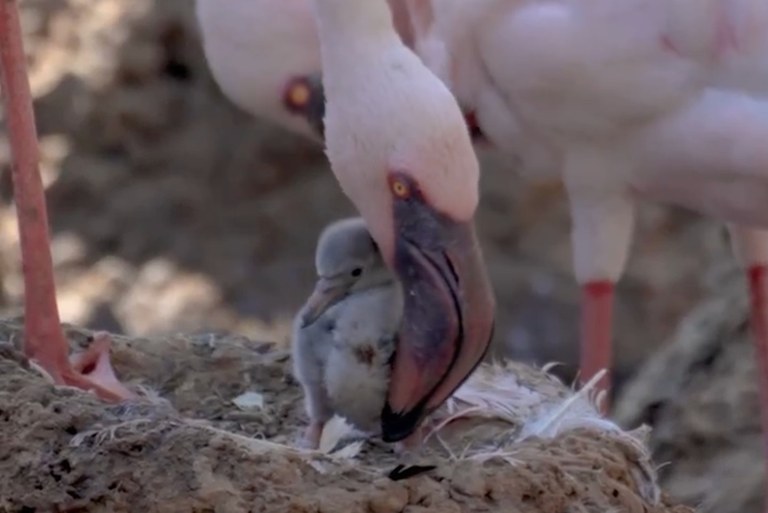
(448, 312)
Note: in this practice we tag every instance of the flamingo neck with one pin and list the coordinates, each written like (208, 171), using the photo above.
(353, 21)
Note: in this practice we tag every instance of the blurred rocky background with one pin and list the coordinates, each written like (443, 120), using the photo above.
(172, 210)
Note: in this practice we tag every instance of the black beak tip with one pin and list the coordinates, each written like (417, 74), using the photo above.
(398, 426)
(401, 472)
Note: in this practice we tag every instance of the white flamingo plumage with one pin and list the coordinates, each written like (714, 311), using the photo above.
(637, 99)
(625, 100)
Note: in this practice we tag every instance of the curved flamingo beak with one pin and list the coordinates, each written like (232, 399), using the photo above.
(305, 97)
(328, 292)
(448, 314)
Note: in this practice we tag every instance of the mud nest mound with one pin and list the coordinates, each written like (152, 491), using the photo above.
(701, 395)
(192, 448)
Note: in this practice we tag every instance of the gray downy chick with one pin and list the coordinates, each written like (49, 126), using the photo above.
(344, 335)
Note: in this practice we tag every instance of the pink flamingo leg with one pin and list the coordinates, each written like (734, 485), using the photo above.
(596, 334)
(44, 338)
(758, 288)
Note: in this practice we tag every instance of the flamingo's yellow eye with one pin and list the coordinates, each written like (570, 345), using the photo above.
(400, 188)
(298, 95)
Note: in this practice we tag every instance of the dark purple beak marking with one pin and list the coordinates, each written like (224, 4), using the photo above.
(448, 308)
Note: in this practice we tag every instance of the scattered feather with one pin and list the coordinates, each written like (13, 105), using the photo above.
(256, 445)
(349, 451)
(334, 431)
(547, 367)
(249, 401)
(531, 405)
(318, 466)
(577, 409)
(97, 437)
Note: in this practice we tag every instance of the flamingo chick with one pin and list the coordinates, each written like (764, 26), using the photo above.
(44, 340)
(398, 145)
(344, 336)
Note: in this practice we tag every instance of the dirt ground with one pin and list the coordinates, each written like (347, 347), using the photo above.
(174, 212)
(189, 446)
(700, 394)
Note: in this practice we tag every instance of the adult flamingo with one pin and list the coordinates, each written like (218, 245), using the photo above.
(666, 101)
(642, 99)
(399, 147)
(580, 97)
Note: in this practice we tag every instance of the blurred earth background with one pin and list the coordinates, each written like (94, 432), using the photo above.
(173, 211)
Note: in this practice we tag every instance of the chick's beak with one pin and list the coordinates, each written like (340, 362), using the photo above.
(448, 314)
(328, 292)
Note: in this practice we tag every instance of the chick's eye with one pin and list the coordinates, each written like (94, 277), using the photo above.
(357, 271)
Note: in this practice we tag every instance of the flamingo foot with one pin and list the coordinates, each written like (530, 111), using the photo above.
(597, 318)
(94, 368)
(758, 288)
(90, 371)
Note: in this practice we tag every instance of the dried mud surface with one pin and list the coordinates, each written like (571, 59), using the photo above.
(63, 450)
(700, 394)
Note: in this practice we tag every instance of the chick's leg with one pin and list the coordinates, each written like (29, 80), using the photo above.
(319, 410)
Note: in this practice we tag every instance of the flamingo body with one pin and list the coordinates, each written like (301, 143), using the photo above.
(624, 100)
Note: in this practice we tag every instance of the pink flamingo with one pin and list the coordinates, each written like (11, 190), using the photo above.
(399, 147)
(654, 104)
(637, 99)
(597, 105)
(44, 340)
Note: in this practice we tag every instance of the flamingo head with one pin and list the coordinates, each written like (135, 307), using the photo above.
(264, 56)
(401, 151)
